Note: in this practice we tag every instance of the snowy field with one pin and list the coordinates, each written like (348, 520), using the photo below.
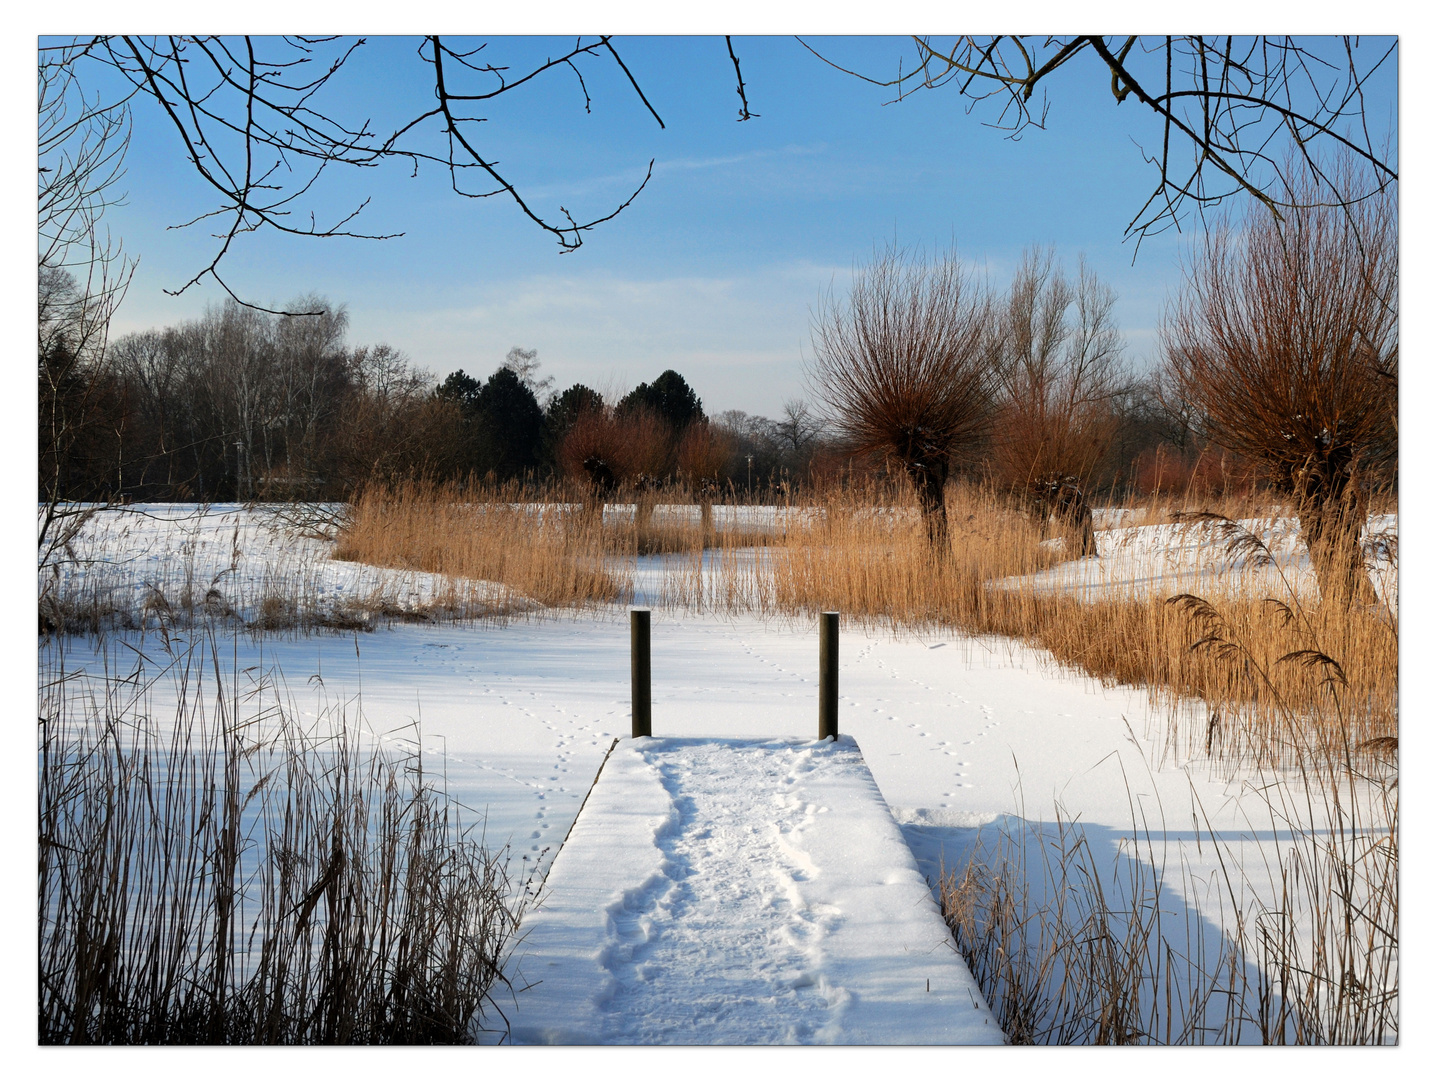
(964, 737)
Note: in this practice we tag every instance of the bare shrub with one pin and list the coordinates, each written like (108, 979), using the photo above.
(1208, 472)
(903, 364)
(702, 457)
(604, 450)
(1286, 340)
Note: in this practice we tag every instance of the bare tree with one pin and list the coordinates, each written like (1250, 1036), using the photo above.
(1059, 361)
(526, 366)
(314, 368)
(1230, 109)
(390, 424)
(1286, 342)
(800, 428)
(82, 277)
(905, 368)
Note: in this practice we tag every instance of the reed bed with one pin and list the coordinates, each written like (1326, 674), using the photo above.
(557, 547)
(863, 549)
(1073, 947)
(226, 873)
(552, 553)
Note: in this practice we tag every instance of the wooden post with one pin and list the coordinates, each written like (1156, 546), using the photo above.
(639, 674)
(829, 674)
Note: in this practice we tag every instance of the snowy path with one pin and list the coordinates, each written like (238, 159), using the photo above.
(734, 891)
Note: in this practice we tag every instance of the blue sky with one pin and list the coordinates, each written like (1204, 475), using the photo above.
(715, 268)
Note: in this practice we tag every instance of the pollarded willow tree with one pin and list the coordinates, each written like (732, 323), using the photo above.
(904, 366)
(1286, 341)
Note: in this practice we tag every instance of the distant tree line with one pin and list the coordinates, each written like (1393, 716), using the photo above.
(240, 404)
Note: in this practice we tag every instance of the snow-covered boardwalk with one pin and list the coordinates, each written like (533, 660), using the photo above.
(740, 891)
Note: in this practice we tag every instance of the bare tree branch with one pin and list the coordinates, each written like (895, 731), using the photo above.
(262, 119)
(745, 113)
(1243, 105)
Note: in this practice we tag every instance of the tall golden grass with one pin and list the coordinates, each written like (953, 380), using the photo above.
(557, 547)
(550, 552)
(875, 565)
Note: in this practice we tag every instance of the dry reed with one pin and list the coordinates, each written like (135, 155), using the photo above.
(864, 550)
(1070, 947)
(553, 554)
(551, 546)
(1307, 945)
(236, 876)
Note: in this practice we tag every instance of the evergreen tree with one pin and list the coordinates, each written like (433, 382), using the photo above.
(669, 397)
(565, 408)
(461, 388)
(511, 427)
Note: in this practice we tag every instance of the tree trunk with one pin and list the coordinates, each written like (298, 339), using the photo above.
(1332, 521)
(929, 480)
(1064, 500)
(1074, 512)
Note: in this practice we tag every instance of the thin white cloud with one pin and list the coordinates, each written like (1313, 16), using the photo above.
(629, 179)
(738, 339)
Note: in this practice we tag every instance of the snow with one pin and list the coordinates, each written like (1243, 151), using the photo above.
(226, 558)
(740, 891)
(962, 740)
(1162, 560)
(960, 735)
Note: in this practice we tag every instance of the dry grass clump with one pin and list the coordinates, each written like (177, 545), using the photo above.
(1070, 947)
(550, 553)
(1158, 643)
(231, 875)
(554, 546)
(866, 552)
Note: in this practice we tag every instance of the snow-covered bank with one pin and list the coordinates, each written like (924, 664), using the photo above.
(729, 891)
(1137, 562)
(142, 565)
